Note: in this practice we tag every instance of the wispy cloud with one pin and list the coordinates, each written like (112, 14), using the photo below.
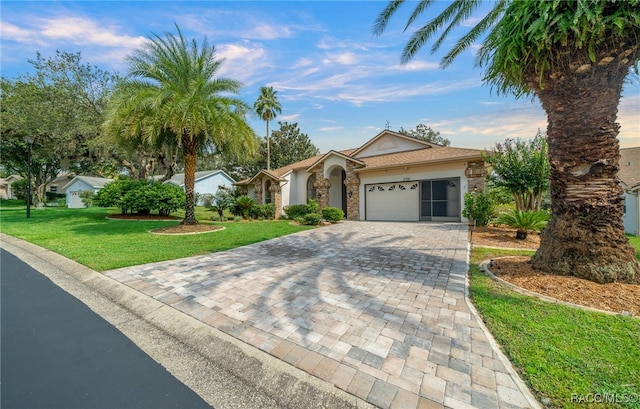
(11, 32)
(329, 129)
(244, 61)
(628, 114)
(83, 31)
(101, 42)
(483, 130)
(288, 118)
(416, 65)
(344, 58)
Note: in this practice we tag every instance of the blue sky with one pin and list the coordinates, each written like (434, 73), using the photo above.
(338, 81)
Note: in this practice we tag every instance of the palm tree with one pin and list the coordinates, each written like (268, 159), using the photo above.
(267, 107)
(171, 89)
(574, 56)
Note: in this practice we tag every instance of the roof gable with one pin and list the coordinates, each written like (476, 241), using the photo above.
(334, 153)
(268, 173)
(94, 182)
(389, 142)
(178, 178)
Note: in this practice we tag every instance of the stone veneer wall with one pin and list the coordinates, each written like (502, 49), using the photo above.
(352, 182)
(322, 186)
(257, 189)
(476, 175)
(276, 195)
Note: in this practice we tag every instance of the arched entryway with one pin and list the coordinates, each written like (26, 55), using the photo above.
(311, 189)
(338, 190)
(268, 195)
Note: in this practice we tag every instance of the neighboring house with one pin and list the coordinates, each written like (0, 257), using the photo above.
(629, 175)
(6, 192)
(207, 182)
(57, 185)
(81, 184)
(391, 177)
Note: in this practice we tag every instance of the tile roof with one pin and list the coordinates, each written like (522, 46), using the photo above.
(280, 172)
(418, 156)
(629, 172)
(430, 154)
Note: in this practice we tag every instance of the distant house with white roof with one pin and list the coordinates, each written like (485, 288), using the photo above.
(207, 182)
(80, 184)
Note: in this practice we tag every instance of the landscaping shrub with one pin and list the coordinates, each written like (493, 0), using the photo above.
(295, 211)
(268, 211)
(312, 206)
(222, 200)
(87, 197)
(207, 199)
(244, 204)
(312, 219)
(170, 198)
(524, 221)
(141, 197)
(112, 194)
(478, 208)
(332, 214)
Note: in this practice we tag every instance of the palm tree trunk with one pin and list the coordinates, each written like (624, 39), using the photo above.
(268, 148)
(585, 237)
(190, 146)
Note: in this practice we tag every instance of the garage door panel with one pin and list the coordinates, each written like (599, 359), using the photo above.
(392, 201)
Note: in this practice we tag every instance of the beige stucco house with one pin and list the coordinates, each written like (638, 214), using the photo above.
(391, 177)
(6, 190)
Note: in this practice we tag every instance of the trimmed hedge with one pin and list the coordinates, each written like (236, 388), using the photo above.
(141, 197)
(312, 219)
(332, 214)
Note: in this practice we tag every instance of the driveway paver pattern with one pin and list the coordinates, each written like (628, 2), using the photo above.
(377, 309)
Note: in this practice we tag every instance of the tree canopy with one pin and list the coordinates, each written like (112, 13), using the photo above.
(267, 107)
(289, 144)
(172, 91)
(425, 133)
(60, 107)
(522, 168)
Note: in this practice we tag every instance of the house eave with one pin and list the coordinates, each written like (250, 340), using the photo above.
(417, 163)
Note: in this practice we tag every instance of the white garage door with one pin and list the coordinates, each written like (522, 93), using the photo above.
(75, 201)
(392, 201)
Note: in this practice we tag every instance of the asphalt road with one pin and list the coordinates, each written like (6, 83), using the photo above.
(57, 353)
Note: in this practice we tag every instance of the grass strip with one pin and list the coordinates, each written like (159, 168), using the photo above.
(88, 237)
(570, 358)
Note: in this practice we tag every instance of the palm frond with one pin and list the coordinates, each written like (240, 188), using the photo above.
(385, 15)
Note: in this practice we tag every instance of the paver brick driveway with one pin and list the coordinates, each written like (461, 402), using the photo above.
(377, 309)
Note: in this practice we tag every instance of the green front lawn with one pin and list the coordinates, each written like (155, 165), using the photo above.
(635, 242)
(85, 235)
(561, 352)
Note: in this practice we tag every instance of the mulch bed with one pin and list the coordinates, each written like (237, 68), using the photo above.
(149, 217)
(187, 229)
(502, 237)
(615, 297)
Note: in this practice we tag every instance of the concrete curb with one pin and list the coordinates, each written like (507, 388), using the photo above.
(225, 372)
